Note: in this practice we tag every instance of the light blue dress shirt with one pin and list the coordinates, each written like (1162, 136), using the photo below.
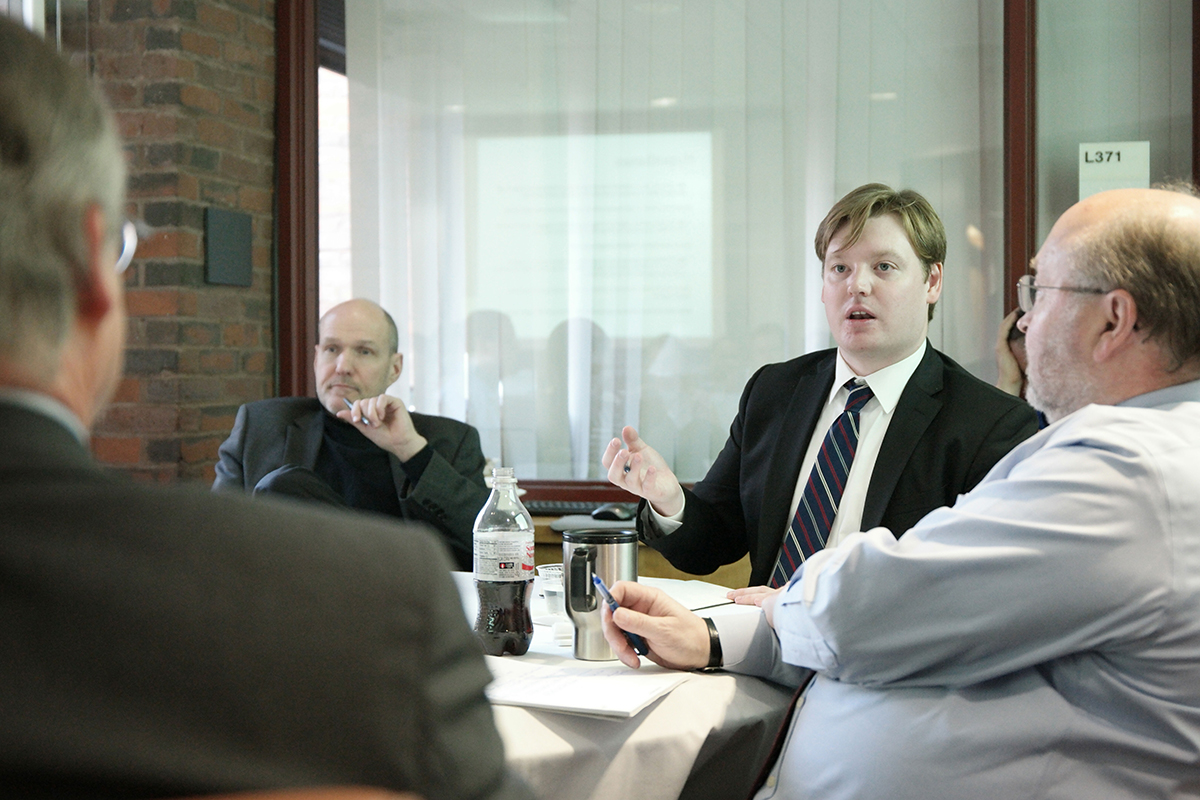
(1040, 639)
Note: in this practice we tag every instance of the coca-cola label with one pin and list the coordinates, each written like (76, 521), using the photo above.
(503, 560)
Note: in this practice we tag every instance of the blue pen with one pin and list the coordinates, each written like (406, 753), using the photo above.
(635, 641)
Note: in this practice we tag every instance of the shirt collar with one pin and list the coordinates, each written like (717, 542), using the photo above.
(886, 384)
(1179, 393)
(47, 406)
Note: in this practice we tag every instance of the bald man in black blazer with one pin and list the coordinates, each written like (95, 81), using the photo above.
(356, 446)
(291, 430)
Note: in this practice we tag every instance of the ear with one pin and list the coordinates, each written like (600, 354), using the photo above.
(1119, 314)
(96, 292)
(934, 283)
(395, 367)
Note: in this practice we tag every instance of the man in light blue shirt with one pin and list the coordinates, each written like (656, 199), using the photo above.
(1041, 638)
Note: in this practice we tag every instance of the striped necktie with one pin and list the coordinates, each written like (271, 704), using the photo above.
(823, 493)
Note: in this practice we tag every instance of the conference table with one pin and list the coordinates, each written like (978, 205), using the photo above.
(704, 740)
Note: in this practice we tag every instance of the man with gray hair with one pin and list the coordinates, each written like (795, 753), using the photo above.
(1040, 638)
(162, 642)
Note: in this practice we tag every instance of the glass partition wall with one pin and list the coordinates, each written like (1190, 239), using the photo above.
(1117, 71)
(590, 214)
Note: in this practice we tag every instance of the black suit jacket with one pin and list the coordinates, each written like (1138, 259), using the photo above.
(169, 642)
(947, 431)
(288, 430)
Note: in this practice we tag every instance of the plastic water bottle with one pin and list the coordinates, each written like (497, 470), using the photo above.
(503, 546)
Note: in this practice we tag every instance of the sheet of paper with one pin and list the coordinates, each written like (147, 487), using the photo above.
(579, 687)
(691, 594)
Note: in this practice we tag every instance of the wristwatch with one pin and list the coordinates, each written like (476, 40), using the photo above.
(714, 645)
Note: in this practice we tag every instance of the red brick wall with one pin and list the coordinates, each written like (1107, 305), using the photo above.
(192, 83)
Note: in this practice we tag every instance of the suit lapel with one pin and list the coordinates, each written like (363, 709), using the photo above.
(399, 476)
(302, 443)
(795, 433)
(918, 406)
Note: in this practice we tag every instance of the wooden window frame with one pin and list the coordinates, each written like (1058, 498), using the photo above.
(1020, 136)
(295, 196)
(1020, 143)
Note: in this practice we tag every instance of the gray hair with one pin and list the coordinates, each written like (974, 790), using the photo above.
(1157, 260)
(1179, 186)
(393, 332)
(59, 154)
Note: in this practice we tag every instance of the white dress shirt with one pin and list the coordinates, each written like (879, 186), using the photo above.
(887, 385)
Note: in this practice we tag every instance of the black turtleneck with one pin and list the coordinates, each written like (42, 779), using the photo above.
(358, 469)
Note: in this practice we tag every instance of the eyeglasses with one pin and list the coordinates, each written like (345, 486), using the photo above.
(1027, 291)
(128, 247)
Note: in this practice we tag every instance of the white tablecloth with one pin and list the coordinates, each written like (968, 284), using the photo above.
(651, 755)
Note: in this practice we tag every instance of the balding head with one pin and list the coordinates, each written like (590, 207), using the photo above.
(356, 354)
(1146, 242)
(1139, 249)
(367, 311)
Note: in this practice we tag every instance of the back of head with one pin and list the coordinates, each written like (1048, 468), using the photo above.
(59, 154)
(1152, 250)
(921, 223)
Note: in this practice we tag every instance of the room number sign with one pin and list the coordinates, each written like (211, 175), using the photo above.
(1113, 165)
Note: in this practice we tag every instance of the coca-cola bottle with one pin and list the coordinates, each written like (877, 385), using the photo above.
(503, 546)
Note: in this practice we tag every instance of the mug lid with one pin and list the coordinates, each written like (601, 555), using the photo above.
(599, 536)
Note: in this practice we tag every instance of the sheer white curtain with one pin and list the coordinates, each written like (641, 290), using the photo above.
(585, 214)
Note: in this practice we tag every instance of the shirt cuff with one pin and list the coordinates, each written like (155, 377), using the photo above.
(801, 642)
(737, 635)
(749, 646)
(665, 525)
(414, 468)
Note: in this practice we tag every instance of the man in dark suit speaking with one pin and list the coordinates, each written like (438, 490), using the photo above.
(879, 431)
(164, 641)
(355, 445)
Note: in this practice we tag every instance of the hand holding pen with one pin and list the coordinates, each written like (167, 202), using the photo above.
(640, 470)
(635, 641)
(350, 406)
(387, 423)
(676, 638)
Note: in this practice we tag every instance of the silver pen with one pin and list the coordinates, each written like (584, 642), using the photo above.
(350, 406)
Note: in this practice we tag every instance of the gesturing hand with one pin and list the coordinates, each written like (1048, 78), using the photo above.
(386, 422)
(639, 469)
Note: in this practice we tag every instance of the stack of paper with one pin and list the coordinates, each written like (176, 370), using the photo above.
(691, 594)
(579, 687)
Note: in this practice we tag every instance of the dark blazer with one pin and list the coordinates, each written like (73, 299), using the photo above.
(288, 430)
(167, 642)
(947, 431)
